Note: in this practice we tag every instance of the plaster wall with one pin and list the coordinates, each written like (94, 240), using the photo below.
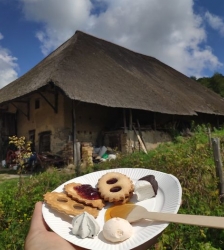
(91, 120)
(44, 119)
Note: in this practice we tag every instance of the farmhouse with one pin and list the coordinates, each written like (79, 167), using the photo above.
(92, 91)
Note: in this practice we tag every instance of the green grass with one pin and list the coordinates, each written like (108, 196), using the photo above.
(5, 178)
(5, 182)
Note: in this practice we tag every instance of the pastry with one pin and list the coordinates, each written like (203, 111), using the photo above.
(127, 199)
(114, 187)
(64, 204)
(84, 193)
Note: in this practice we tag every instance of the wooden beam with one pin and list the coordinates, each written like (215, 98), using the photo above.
(55, 106)
(154, 120)
(28, 109)
(56, 101)
(140, 133)
(130, 119)
(124, 120)
(1, 141)
(20, 101)
(75, 153)
(140, 140)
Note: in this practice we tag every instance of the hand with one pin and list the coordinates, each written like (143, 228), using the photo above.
(39, 238)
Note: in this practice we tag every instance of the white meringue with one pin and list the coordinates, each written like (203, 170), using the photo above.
(85, 225)
(117, 229)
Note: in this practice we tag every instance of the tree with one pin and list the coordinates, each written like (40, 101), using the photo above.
(193, 78)
(215, 83)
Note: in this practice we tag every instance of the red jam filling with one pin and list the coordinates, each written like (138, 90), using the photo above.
(86, 191)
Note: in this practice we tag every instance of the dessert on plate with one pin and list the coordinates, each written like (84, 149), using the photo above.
(64, 204)
(85, 225)
(117, 229)
(83, 202)
(115, 187)
(146, 187)
(84, 193)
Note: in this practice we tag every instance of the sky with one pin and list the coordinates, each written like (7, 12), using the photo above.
(187, 35)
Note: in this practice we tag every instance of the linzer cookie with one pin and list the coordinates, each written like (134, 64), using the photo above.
(64, 204)
(115, 187)
(84, 193)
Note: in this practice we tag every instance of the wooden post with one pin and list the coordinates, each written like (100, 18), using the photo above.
(140, 132)
(78, 153)
(154, 120)
(209, 138)
(124, 120)
(74, 139)
(130, 119)
(140, 140)
(218, 165)
(1, 142)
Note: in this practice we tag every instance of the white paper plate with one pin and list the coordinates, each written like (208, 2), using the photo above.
(168, 200)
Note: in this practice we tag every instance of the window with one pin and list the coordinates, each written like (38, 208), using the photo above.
(37, 104)
(45, 141)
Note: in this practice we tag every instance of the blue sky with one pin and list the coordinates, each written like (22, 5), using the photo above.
(187, 35)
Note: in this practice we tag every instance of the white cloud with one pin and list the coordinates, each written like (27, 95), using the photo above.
(174, 35)
(60, 19)
(215, 22)
(8, 66)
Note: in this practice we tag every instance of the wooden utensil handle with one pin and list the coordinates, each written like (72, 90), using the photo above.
(198, 220)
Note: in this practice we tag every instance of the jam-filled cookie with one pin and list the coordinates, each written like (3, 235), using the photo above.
(84, 193)
(115, 187)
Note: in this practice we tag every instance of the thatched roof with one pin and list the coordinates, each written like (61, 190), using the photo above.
(93, 70)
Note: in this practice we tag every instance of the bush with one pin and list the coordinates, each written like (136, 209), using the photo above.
(17, 203)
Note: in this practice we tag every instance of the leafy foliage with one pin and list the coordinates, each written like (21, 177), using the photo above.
(23, 149)
(216, 83)
(189, 159)
(17, 203)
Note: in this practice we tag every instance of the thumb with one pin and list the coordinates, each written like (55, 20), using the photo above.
(37, 221)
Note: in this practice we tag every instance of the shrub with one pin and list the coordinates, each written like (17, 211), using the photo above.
(17, 203)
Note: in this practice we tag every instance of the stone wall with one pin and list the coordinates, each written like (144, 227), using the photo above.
(128, 142)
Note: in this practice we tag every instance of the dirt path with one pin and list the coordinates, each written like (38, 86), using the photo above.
(6, 174)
